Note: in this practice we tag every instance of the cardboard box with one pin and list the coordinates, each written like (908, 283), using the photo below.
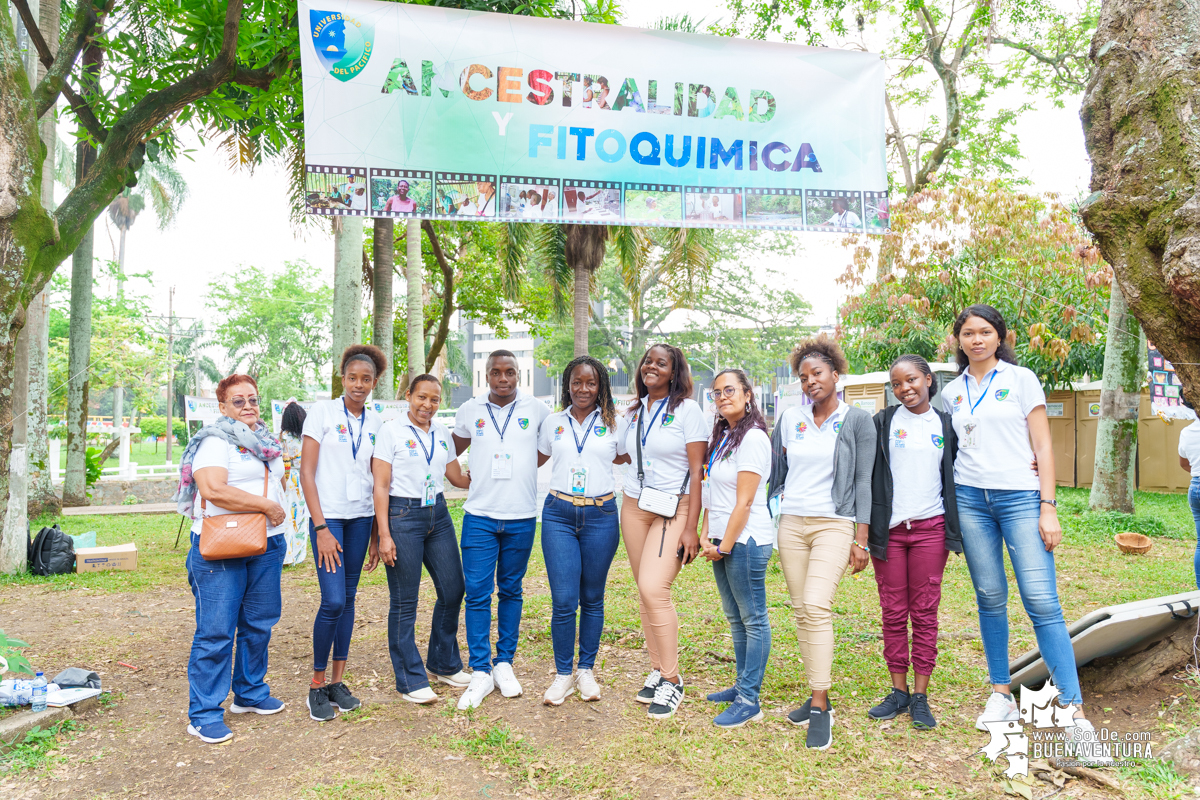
(96, 559)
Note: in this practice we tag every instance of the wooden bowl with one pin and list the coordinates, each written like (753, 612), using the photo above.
(1133, 542)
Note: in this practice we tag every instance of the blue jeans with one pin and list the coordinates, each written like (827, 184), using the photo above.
(237, 604)
(495, 552)
(578, 543)
(741, 579)
(991, 520)
(423, 535)
(1194, 502)
(334, 624)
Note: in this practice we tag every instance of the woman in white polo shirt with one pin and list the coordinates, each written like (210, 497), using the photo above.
(1189, 459)
(672, 432)
(413, 458)
(579, 520)
(998, 409)
(335, 471)
(738, 537)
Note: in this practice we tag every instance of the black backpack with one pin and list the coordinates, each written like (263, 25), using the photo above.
(51, 552)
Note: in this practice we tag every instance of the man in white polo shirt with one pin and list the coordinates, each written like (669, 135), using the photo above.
(501, 428)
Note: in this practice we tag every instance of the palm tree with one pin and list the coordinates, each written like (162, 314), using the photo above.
(166, 189)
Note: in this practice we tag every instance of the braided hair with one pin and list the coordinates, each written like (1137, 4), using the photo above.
(604, 397)
(753, 418)
(680, 387)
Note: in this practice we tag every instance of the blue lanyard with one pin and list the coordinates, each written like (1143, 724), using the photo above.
(661, 404)
(967, 381)
(712, 459)
(588, 425)
(512, 408)
(432, 443)
(362, 424)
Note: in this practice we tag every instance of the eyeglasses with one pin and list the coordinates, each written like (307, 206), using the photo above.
(240, 402)
(728, 391)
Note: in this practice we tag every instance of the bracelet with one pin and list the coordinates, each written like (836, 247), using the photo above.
(1051, 503)
(320, 528)
(863, 546)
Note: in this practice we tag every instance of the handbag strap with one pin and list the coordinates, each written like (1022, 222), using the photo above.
(687, 474)
(266, 479)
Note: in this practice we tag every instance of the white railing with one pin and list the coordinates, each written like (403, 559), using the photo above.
(127, 471)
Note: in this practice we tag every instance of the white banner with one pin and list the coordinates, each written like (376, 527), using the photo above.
(438, 113)
(277, 407)
(204, 410)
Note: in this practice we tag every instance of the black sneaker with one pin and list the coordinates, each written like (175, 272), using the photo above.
(646, 694)
(799, 716)
(820, 735)
(318, 704)
(340, 696)
(892, 705)
(667, 698)
(922, 717)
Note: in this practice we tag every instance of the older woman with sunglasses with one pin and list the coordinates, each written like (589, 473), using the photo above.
(224, 470)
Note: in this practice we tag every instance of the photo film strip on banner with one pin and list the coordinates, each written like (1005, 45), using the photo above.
(438, 113)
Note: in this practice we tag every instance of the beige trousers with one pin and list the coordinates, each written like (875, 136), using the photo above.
(814, 553)
(654, 564)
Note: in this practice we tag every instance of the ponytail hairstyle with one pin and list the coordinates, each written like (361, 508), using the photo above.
(604, 397)
(992, 317)
(680, 387)
(364, 352)
(752, 419)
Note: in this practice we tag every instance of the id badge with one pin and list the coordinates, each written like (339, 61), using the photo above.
(579, 481)
(354, 487)
(428, 491)
(502, 465)
(970, 438)
(706, 493)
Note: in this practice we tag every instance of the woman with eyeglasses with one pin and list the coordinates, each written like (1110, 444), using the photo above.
(335, 471)
(232, 466)
(737, 537)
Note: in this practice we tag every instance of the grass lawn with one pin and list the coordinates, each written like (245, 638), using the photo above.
(687, 756)
(144, 453)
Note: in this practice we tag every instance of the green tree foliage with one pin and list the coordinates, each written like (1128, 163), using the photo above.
(274, 327)
(976, 242)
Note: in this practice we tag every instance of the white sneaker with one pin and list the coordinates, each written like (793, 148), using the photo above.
(646, 693)
(506, 680)
(1088, 747)
(562, 688)
(998, 709)
(585, 682)
(420, 696)
(480, 687)
(459, 680)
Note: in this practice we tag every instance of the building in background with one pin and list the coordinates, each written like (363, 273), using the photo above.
(480, 340)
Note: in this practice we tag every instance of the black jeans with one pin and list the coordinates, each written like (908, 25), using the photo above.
(423, 535)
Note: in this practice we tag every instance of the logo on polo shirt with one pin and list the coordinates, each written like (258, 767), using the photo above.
(600, 430)
(1001, 394)
(837, 426)
(937, 440)
(479, 426)
(412, 447)
(341, 429)
(668, 419)
(245, 454)
(443, 444)
(523, 422)
(372, 436)
(801, 427)
(558, 432)
(958, 401)
(900, 435)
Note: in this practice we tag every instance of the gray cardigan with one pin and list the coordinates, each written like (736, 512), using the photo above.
(853, 463)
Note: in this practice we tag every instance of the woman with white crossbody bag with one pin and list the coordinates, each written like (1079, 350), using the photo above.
(662, 508)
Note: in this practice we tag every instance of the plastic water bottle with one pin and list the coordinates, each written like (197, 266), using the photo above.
(39, 693)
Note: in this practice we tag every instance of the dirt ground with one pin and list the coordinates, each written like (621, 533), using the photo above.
(138, 747)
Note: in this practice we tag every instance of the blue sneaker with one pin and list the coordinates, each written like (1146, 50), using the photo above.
(212, 733)
(738, 714)
(271, 705)
(723, 696)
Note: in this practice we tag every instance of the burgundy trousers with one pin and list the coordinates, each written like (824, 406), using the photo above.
(910, 588)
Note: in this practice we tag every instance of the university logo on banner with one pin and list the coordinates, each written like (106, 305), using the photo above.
(343, 44)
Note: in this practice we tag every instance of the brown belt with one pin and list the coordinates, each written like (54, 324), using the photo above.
(579, 500)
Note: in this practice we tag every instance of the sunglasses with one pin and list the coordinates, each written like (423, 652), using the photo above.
(240, 402)
(728, 391)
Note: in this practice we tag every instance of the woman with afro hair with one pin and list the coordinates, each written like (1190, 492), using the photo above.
(824, 454)
(335, 472)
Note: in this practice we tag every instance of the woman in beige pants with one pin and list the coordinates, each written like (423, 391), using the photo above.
(824, 456)
(666, 439)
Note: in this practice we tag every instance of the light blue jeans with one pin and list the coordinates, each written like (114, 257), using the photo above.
(1194, 502)
(993, 519)
(741, 580)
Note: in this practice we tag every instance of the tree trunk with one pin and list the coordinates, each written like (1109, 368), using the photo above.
(384, 261)
(347, 291)
(583, 317)
(1168, 653)
(79, 354)
(1120, 395)
(121, 268)
(414, 278)
(1144, 143)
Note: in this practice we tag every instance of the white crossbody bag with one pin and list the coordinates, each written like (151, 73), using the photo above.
(656, 501)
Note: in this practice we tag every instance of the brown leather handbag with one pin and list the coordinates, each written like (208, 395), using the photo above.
(234, 535)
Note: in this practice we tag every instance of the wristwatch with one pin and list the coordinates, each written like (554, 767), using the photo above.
(1053, 503)
(320, 528)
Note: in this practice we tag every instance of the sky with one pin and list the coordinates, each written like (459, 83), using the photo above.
(233, 222)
